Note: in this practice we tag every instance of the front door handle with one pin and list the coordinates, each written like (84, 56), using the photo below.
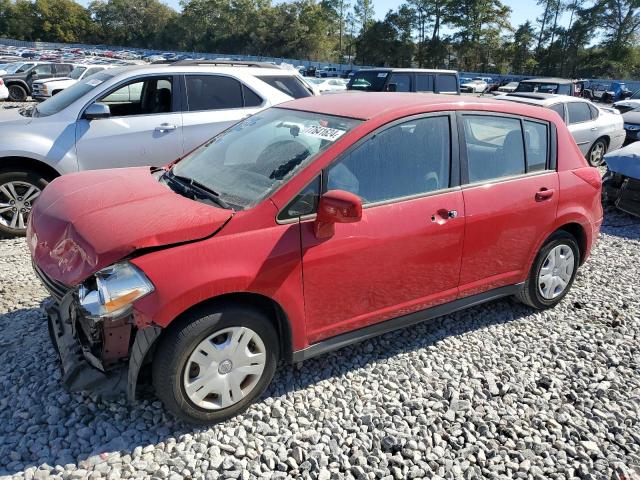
(444, 215)
(593, 129)
(165, 127)
(544, 194)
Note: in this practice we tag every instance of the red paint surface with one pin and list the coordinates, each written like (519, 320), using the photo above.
(396, 260)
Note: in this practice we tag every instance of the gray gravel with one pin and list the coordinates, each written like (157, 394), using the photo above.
(498, 391)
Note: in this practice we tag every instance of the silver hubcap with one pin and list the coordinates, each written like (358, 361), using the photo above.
(556, 272)
(16, 200)
(224, 368)
(597, 153)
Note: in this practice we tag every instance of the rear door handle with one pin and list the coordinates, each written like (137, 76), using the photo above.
(593, 129)
(544, 194)
(165, 127)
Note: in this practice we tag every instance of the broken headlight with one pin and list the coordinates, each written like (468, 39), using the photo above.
(112, 290)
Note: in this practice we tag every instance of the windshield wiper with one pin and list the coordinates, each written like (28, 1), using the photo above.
(195, 185)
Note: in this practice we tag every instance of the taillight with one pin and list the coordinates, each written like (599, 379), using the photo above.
(590, 175)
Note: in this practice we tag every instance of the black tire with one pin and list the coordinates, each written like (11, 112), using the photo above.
(595, 157)
(530, 294)
(178, 343)
(17, 93)
(29, 177)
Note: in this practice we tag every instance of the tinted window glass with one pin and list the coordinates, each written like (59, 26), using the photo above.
(213, 92)
(45, 69)
(91, 71)
(371, 81)
(304, 203)
(494, 147)
(140, 97)
(578, 112)
(288, 84)
(594, 112)
(407, 159)
(559, 109)
(251, 99)
(63, 69)
(424, 83)
(402, 81)
(447, 83)
(536, 142)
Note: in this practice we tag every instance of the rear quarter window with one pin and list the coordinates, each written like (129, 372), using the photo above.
(287, 84)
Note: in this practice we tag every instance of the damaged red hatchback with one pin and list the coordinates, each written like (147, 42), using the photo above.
(304, 228)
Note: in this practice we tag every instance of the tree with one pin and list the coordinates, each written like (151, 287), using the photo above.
(387, 42)
(364, 13)
(523, 38)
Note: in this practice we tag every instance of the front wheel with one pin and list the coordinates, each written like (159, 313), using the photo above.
(552, 273)
(213, 364)
(596, 153)
(18, 192)
(17, 93)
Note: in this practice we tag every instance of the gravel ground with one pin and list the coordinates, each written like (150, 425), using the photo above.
(498, 391)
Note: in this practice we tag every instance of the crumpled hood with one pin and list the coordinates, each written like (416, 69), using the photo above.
(625, 161)
(85, 221)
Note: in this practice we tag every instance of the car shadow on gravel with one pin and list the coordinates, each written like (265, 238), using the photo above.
(42, 424)
(620, 224)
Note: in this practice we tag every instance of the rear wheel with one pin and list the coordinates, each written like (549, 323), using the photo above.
(596, 153)
(17, 93)
(214, 364)
(552, 273)
(18, 192)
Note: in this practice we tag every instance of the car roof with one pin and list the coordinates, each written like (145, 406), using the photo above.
(229, 70)
(544, 99)
(548, 80)
(370, 105)
(407, 70)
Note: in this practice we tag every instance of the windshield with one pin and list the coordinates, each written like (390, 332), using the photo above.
(368, 81)
(247, 162)
(13, 67)
(77, 72)
(69, 95)
(537, 87)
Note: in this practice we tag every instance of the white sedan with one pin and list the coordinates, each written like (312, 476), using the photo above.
(325, 85)
(4, 91)
(474, 86)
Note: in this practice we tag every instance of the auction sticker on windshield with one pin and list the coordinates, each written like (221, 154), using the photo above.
(94, 82)
(324, 133)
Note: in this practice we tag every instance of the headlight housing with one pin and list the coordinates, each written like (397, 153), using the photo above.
(112, 290)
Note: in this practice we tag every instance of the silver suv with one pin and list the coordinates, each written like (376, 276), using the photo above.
(128, 116)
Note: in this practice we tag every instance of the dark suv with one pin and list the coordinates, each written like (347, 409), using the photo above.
(405, 80)
(20, 83)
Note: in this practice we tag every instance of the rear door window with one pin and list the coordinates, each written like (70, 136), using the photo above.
(424, 82)
(559, 109)
(447, 84)
(578, 112)
(213, 92)
(536, 142)
(402, 82)
(251, 99)
(495, 147)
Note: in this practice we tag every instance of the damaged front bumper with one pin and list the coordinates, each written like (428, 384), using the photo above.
(622, 191)
(103, 356)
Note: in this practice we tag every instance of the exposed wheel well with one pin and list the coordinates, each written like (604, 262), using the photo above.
(25, 163)
(265, 304)
(577, 231)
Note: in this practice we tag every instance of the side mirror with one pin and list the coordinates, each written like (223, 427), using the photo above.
(392, 87)
(96, 111)
(336, 206)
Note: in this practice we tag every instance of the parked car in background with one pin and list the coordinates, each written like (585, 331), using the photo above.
(474, 86)
(328, 72)
(128, 116)
(20, 83)
(362, 192)
(596, 130)
(506, 88)
(405, 80)
(4, 91)
(44, 89)
(329, 84)
(631, 103)
(621, 182)
(631, 120)
(556, 86)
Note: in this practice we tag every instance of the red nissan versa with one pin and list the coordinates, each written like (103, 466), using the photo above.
(304, 228)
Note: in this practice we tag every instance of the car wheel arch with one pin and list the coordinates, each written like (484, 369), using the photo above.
(27, 163)
(578, 232)
(265, 304)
